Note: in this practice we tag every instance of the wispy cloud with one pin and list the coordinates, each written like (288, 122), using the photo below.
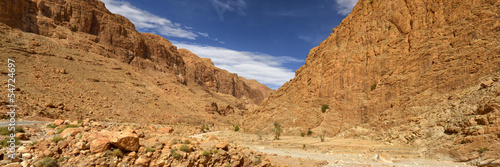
(222, 6)
(344, 7)
(264, 68)
(203, 34)
(315, 40)
(145, 21)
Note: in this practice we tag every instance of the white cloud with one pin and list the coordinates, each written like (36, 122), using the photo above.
(203, 34)
(344, 7)
(222, 6)
(312, 39)
(264, 68)
(149, 22)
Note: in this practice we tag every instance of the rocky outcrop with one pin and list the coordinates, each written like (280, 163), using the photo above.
(399, 68)
(202, 71)
(87, 25)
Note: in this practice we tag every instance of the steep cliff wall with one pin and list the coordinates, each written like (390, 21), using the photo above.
(400, 71)
(87, 25)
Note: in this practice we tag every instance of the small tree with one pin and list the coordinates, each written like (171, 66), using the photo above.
(322, 136)
(324, 107)
(277, 130)
(309, 132)
(236, 128)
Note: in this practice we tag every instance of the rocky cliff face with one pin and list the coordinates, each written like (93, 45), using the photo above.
(400, 71)
(87, 25)
(203, 72)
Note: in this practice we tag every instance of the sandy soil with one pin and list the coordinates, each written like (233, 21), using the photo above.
(310, 151)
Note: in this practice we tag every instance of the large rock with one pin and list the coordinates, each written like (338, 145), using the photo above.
(71, 131)
(126, 141)
(99, 145)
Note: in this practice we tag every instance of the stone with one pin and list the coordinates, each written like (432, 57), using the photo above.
(211, 138)
(62, 144)
(126, 141)
(58, 122)
(165, 130)
(142, 161)
(487, 84)
(99, 145)
(222, 145)
(81, 145)
(71, 131)
(50, 133)
(26, 156)
(22, 136)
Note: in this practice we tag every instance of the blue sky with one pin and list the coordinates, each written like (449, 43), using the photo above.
(266, 40)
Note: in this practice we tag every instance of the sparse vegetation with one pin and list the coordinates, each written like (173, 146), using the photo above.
(389, 28)
(373, 87)
(5, 130)
(204, 128)
(277, 130)
(149, 149)
(302, 134)
(322, 136)
(303, 146)
(309, 132)
(187, 142)
(483, 149)
(66, 127)
(51, 126)
(184, 148)
(371, 2)
(206, 153)
(33, 143)
(57, 139)
(236, 128)
(5, 143)
(173, 150)
(48, 162)
(324, 107)
(175, 154)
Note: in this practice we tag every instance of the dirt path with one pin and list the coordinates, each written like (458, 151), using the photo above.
(334, 151)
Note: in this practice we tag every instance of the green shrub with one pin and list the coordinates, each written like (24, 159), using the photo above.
(277, 130)
(374, 86)
(48, 162)
(302, 134)
(118, 153)
(236, 128)
(176, 154)
(206, 153)
(148, 149)
(184, 148)
(4, 130)
(324, 107)
(51, 126)
(71, 126)
(108, 152)
(371, 2)
(187, 142)
(309, 132)
(303, 146)
(57, 139)
(6, 144)
(482, 150)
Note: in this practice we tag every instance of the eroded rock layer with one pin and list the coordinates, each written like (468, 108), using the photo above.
(401, 71)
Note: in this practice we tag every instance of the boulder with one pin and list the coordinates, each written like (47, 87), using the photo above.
(99, 145)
